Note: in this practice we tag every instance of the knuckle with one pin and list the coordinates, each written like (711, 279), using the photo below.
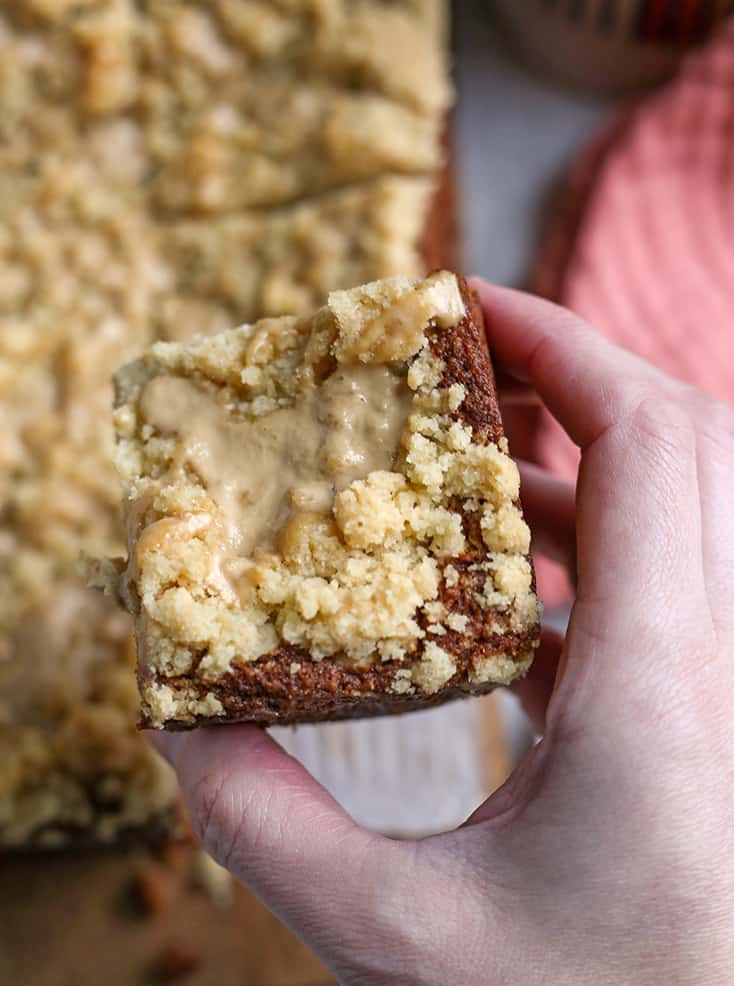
(205, 795)
(661, 423)
(657, 411)
(231, 824)
(547, 358)
(210, 817)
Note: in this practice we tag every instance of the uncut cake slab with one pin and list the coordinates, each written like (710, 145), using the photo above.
(166, 168)
(323, 517)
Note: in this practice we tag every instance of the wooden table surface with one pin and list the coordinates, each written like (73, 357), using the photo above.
(80, 920)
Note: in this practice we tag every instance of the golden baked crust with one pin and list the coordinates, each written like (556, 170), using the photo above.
(409, 583)
(108, 108)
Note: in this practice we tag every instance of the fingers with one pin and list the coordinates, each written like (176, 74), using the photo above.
(587, 383)
(637, 526)
(549, 505)
(639, 536)
(261, 815)
(640, 531)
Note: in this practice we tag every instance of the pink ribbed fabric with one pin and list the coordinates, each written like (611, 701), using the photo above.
(644, 248)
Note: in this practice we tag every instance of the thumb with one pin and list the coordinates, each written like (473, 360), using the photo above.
(261, 815)
(371, 908)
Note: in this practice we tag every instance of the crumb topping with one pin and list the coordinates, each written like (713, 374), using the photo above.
(435, 668)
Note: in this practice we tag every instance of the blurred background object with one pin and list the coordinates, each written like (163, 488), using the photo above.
(611, 46)
(642, 244)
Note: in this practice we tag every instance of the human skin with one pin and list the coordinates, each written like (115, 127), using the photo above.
(608, 856)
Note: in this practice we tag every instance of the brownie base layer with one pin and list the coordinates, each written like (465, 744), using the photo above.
(287, 687)
(265, 693)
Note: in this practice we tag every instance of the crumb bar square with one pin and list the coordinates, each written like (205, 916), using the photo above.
(323, 517)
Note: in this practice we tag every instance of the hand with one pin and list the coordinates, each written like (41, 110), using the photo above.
(608, 856)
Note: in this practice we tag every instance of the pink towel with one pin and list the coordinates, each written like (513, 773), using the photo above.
(644, 246)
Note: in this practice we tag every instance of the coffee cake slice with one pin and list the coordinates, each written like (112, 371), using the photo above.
(323, 517)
